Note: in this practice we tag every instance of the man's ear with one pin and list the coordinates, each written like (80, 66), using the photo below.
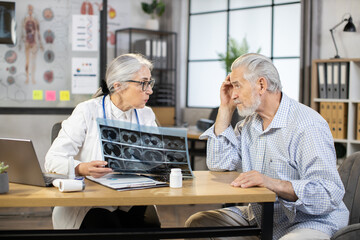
(262, 83)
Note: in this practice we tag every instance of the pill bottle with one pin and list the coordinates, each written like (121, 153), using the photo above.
(175, 178)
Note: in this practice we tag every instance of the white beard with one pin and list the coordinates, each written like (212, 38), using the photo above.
(247, 111)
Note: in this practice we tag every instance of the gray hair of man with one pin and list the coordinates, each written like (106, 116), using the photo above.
(123, 68)
(256, 66)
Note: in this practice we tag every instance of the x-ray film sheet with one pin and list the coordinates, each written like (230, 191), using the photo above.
(130, 148)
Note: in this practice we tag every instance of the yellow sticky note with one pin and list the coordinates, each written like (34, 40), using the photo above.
(64, 96)
(37, 94)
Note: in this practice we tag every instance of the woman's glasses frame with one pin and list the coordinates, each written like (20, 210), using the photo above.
(144, 84)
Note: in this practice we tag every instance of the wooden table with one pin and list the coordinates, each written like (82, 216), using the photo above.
(206, 188)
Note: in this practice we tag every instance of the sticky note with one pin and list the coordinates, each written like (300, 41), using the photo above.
(64, 96)
(37, 94)
(50, 96)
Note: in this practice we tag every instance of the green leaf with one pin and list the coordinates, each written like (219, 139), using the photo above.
(234, 50)
(146, 8)
(160, 9)
(3, 167)
(153, 8)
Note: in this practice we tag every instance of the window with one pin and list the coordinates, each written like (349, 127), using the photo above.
(273, 26)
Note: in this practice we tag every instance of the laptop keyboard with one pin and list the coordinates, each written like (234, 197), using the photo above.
(48, 180)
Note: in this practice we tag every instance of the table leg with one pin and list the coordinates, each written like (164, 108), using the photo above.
(192, 152)
(267, 221)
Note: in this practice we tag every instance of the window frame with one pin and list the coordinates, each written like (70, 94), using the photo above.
(228, 10)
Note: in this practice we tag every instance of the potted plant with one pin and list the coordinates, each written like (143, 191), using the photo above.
(234, 50)
(155, 9)
(4, 179)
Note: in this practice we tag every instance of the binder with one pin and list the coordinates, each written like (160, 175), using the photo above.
(341, 120)
(329, 80)
(333, 118)
(336, 82)
(358, 122)
(158, 53)
(143, 46)
(155, 56)
(344, 80)
(321, 79)
(164, 54)
(323, 109)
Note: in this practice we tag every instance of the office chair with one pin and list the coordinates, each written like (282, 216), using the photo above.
(55, 131)
(350, 175)
(234, 120)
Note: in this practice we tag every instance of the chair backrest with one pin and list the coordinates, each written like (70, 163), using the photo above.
(235, 118)
(55, 131)
(350, 175)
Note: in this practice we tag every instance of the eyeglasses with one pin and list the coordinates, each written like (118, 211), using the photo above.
(144, 84)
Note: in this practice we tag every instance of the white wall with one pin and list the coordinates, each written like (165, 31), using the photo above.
(332, 12)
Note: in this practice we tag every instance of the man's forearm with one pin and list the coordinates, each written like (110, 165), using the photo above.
(223, 120)
(283, 189)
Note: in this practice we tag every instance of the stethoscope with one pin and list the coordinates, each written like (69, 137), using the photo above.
(103, 105)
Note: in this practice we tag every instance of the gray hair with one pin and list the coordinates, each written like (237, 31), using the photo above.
(257, 66)
(123, 68)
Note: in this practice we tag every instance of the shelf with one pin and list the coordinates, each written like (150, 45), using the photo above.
(331, 100)
(331, 111)
(160, 48)
(146, 31)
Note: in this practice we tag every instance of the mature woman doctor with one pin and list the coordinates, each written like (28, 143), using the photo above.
(123, 97)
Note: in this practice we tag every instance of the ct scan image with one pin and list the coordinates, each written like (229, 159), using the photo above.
(129, 148)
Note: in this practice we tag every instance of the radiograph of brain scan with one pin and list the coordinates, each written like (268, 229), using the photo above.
(131, 153)
(171, 142)
(114, 164)
(110, 133)
(138, 166)
(112, 149)
(176, 157)
(129, 137)
(153, 156)
(151, 140)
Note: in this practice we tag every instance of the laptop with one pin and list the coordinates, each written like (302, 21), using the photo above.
(23, 163)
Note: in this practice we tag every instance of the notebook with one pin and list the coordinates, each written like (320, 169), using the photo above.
(23, 163)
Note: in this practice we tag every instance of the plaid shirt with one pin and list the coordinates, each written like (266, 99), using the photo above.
(297, 147)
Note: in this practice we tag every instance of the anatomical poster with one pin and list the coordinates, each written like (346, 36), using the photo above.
(85, 75)
(85, 33)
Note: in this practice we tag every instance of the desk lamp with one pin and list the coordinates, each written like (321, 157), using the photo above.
(349, 27)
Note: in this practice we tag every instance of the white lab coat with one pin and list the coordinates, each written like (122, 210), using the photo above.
(79, 138)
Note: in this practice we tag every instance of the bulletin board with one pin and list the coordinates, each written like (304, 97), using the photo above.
(54, 63)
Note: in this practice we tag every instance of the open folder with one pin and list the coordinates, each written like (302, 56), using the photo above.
(123, 182)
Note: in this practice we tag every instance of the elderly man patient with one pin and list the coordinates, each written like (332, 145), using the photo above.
(281, 145)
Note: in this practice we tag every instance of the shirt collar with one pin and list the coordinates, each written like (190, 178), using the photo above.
(280, 118)
(118, 114)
